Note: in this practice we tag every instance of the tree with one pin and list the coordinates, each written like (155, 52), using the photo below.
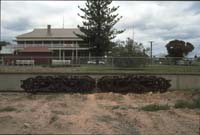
(129, 54)
(179, 48)
(98, 25)
(128, 48)
(3, 43)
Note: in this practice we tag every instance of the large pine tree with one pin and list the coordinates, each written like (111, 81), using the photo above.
(98, 25)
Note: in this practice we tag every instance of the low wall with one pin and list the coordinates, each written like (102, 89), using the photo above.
(12, 81)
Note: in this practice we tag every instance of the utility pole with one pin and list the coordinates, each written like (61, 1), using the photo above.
(63, 22)
(151, 43)
(133, 35)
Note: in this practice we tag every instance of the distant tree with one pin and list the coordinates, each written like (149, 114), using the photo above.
(179, 48)
(3, 43)
(129, 48)
(129, 54)
(98, 25)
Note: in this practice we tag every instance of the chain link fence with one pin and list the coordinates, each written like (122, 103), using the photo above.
(119, 64)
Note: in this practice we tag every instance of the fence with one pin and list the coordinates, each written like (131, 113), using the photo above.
(106, 64)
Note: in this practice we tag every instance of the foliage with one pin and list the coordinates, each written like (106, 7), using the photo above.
(182, 104)
(98, 25)
(129, 49)
(179, 48)
(8, 109)
(155, 107)
(53, 119)
(3, 43)
(195, 103)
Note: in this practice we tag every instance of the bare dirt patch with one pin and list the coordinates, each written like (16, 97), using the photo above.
(99, 113)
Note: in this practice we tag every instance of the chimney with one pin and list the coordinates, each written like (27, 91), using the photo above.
(48, 29)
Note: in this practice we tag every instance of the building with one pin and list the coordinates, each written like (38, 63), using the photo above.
(62, 43)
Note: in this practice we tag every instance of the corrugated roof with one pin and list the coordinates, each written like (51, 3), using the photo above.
(36, 49)
(55, 33)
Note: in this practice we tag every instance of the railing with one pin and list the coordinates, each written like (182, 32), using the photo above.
(50, 45)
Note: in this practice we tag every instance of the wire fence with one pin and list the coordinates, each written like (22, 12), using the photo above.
(155, 64)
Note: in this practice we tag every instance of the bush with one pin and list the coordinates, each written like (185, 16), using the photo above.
(8, 109)
(155, 107)
(182, 104)
(195, 103)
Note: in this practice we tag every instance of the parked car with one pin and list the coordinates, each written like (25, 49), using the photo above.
(94, 62)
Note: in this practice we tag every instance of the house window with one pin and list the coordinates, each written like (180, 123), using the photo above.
(20, 42)
(56, 42)
(29, 42)
(47, 42)
(38, 42)
(68, 42)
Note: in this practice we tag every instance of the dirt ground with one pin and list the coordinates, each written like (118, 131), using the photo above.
(99, 113)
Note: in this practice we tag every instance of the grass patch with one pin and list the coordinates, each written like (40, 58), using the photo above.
(195, 103)
(53, 119)
(8, 109)
(105, 118)
(155, 107)
(122, 107)
(110, 96)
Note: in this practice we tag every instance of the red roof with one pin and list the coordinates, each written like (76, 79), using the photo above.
(36, 49)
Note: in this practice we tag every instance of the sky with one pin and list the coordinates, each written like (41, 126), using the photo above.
(155, 21)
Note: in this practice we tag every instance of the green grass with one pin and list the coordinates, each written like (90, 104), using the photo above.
(149, 68)
(195, 103)
(8, 109)
(155, 107)
(108, 68)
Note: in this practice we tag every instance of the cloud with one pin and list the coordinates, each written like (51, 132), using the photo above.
(152, 20)
(19, 24)
(195, 8)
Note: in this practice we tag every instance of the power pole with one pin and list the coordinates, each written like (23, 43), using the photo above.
(151, 43)
(63, 22)
(133, 35)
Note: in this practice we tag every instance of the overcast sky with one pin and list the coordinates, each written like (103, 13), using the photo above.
(157, 21)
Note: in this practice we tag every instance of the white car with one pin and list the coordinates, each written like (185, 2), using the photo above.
(94, 62)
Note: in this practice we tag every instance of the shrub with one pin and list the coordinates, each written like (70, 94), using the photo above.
(195, 103)
(8, 109)
(155, 107)
(182, 104)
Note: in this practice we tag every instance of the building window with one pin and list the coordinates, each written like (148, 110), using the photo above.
(29, 42)
(38, 42)
(56, 42)
(47, 42)
(20, 42)
(67, 42)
